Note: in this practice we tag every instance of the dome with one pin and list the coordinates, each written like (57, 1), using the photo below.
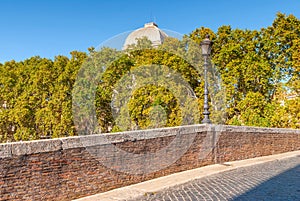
(151, 31)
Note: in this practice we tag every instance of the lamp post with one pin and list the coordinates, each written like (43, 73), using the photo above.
(206, 50)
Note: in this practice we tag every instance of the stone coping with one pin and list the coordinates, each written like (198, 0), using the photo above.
(49, 145)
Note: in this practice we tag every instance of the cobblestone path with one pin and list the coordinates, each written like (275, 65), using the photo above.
(276, 180)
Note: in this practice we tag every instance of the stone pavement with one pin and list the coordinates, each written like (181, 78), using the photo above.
(276, 180)
(275, 177)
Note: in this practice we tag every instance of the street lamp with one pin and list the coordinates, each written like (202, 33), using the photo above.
(206, 49)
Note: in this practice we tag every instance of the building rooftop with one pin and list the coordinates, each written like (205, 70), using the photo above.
(151, 31)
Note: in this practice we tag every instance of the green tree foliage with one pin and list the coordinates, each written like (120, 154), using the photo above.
(260, 72)
(149, 100)
(35, 96)
(253, 66)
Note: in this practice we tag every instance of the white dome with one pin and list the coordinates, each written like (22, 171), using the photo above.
(151, 31)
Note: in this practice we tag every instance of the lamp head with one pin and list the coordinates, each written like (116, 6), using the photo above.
(206, 46)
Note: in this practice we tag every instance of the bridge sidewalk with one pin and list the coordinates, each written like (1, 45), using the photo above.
(162, 183)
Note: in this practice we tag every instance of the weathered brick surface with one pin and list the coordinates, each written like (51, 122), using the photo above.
(67, 168)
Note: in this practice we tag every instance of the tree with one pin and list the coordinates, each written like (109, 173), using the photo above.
(255, 80)
(37, 97)
(257, 62)
(142, 63)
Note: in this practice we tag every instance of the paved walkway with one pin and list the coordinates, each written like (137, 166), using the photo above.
(276, 180)
(275, 177)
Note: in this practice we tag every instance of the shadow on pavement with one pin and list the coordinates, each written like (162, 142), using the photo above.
(285, 186)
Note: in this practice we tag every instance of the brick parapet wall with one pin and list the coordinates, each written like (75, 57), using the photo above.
(67, 168)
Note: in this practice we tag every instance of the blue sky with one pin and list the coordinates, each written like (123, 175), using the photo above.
(57, 27)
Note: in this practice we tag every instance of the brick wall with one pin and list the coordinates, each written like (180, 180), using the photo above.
(68, 168)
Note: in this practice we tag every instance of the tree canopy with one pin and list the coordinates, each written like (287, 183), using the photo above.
(259, 72)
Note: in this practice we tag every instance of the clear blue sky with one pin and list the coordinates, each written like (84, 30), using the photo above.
(56, 27)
